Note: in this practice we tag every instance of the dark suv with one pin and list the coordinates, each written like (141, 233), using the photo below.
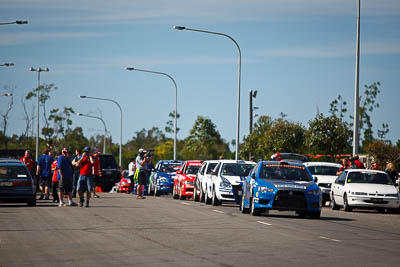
(110, 171)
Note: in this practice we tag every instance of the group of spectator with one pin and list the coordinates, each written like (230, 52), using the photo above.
(65, 174)
(355, 163)
(139, 171)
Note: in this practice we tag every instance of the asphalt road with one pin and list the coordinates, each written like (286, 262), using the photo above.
(119, 230)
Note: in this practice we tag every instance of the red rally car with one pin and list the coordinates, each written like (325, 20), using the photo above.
(184, 180)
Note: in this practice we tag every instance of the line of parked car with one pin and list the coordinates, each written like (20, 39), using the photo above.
(287, 183)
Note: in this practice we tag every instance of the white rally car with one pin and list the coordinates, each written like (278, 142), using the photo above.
(325, 172)
(360, 188)
(226, 181)
(203, 175)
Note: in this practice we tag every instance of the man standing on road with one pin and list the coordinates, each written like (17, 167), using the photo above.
(141, 167)
(43, 170)
(64, 168)
(96, 172)
(131, 174)
(76, 168)
(85, 182)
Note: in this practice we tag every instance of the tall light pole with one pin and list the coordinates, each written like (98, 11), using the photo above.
(105, 127)
(176, 98)
(6, 94)
(252, 94)
(120, 110)
(356, 118)
(7, 64)
(15, 22)
(38, 70)
(240, 65)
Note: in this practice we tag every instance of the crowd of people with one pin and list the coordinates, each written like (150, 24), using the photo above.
(65, 175)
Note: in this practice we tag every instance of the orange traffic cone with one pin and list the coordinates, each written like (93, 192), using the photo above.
(98, 189)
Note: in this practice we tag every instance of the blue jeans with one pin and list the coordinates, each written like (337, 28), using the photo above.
(85, 183)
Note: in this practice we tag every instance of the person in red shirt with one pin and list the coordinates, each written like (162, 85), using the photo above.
(85, 182)
(96, 172)
(356, 161)
(345, 165)
(29, 162)
(54, 180)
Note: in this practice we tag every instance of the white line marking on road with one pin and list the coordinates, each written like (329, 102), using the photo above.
(264, 223)
(331, 239)
(218, 211)
(185, 203)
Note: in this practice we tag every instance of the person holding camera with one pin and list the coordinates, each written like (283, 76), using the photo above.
(141, 167)
(85, 182)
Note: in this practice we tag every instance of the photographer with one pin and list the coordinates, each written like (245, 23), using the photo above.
(141, 167)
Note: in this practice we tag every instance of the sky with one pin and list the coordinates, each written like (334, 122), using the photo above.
(298, 54)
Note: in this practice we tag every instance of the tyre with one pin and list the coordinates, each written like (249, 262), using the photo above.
(174, 194)
(32, 202)
(207, 200)
(242, 208)
(315, 214)
(381, 210)
(151, 190)
(181, 197)
(195, 195)
(323, 203)
(334, 206)
(253, 210)
(214, 200)
(346, 205)
(302, 214)
(201, 198)
(156, 192)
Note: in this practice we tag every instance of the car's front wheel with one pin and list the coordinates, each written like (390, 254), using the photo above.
(315, 214)
(201, 198)
(346, 205)
(156, 192)
(181, 197)
(207, 199)
(174, 194)
(215, 201)
(334, 206)
(32, 202)
(195, 195)
(253, 210)
(242, 208)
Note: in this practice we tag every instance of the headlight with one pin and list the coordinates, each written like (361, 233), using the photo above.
(393, 195)
(264, 189)
(225, 183)
(315, 192)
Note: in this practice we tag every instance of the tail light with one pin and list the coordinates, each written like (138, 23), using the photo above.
(22, 183)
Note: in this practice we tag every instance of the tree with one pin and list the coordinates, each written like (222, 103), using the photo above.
(383, 152)
(4, 114)
(338, 106)
(204, 141)
(254, 143)
(328, 135)
(170, 124)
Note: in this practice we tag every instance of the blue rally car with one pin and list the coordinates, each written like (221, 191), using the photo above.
(162, 177)
(283, 186)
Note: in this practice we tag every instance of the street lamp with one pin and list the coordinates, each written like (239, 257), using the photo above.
(240, 65)
(38, 70)
(356, 118)
(6, 94)
(7, 64)
(253, 94)
(176, 98)
(105, 127)
(120, 110)
(15, 22)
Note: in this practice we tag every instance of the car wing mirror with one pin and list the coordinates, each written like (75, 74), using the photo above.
(179, 172)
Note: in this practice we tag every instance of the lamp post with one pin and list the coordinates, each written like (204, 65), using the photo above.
(176, 98)
(38, 70)
(15, 22)
(6, 94)
(120, 110)
(253, 94)
(239, 72)
(356, 118)
(105, 128)
(7, 64)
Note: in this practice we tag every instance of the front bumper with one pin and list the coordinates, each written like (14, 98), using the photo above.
(287, 201)
(165, 187)
(187, 190)
(374, 202)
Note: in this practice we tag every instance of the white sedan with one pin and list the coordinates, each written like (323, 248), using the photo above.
(360, 188)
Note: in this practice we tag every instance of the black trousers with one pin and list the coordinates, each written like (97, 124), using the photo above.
(54, 190)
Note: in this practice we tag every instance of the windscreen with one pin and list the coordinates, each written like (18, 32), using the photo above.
(236, 169)
(323, 170)
(192, 169)
(108, 162)
(13, 172)
(368, 178)
(170, 167)
(284, 172)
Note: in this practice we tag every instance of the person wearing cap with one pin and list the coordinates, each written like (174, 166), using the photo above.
(141, 167)
(64, 176)
(85, 182)
(96, 171)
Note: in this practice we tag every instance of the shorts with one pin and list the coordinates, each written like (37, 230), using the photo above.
(142, 179)
(65, 186)
(85, 183)
(45, 181)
